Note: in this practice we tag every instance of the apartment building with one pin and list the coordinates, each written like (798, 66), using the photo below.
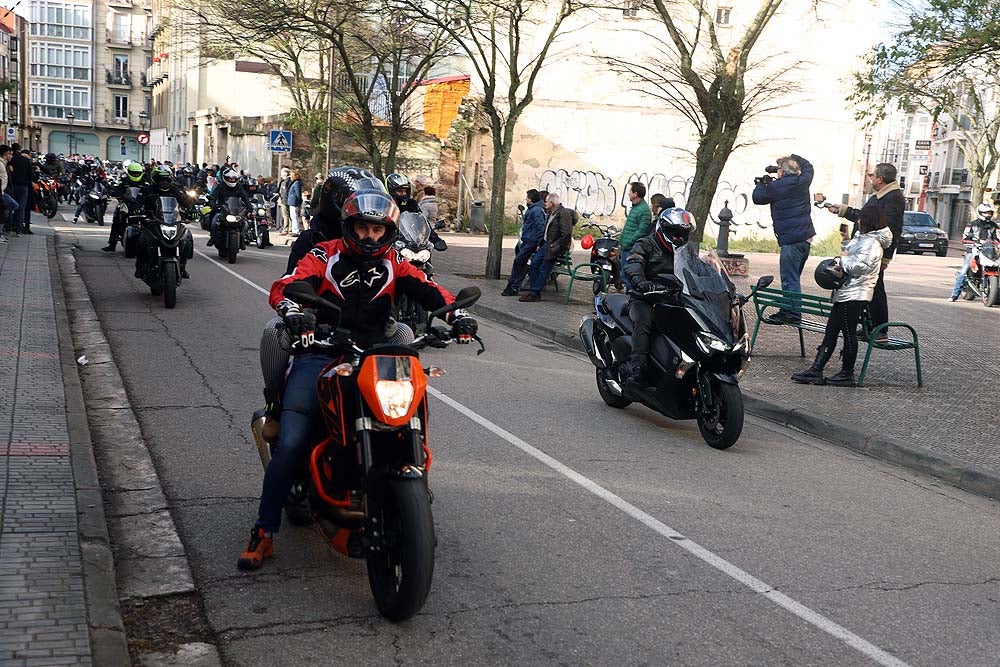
(87, 61)
(15, 122)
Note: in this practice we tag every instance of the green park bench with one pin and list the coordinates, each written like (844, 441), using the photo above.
(815, 312)
(564, 267)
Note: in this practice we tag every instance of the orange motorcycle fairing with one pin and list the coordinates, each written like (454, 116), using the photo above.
(331, 402)
(393, 387)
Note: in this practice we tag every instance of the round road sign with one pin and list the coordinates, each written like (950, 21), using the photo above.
(143, 138)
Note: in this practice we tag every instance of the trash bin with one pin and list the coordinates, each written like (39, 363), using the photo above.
(477, 217)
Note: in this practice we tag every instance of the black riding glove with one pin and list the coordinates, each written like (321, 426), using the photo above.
(463, 326)
(301, 325)
(645, 286)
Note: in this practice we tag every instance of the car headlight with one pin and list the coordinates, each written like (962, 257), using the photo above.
(707, 343)
(395, 397)
(232, 218)
(906, 235)
(168, 231)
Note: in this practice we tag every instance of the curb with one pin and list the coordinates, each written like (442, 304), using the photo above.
(108, 642)
(149, 560)
(968, 477)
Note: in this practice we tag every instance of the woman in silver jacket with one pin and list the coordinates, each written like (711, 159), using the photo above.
(860, 262)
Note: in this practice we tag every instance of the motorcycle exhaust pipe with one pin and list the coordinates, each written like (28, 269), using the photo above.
(257, 428)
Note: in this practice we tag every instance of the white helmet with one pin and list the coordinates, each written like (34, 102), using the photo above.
(230, 177)
(985, 211)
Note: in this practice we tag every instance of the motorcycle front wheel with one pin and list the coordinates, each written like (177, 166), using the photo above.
(169, 284)
(232, 246)
(400, 573)
(722, 425)
(262, 237)
(991, 291)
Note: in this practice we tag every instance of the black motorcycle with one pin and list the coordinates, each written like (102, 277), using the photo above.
(128, 216)
(605, 252)
(95, 203)
(163, 241)
(699, 347)
(414, 245)
(229, 234)
(257, 231)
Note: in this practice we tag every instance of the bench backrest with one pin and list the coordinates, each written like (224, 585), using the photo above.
(808, 304)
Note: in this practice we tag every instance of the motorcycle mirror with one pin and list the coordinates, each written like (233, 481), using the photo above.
(520, 208)
(440, 224)
(764, 281)
(465, 298)
(303, 293)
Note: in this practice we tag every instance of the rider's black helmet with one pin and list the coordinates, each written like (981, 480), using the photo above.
(673, 227)
(373, 207)
(162, 177)
(395, 182)
(50, 158)
(828, 275)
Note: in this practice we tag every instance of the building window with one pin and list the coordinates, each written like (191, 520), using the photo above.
(122, 31)
(722, 15)
(120, 69)
(631, 9)
(54, 100)
(60, 61)
(121, 107)
(52, 18)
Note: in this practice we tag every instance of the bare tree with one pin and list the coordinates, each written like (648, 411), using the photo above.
(693, 74)
(507, 43)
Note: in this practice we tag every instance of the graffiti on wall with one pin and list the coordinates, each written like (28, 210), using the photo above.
(745, 212)
(588, 192)
(593, 193)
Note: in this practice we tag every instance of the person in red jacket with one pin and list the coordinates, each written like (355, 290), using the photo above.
(361, 273)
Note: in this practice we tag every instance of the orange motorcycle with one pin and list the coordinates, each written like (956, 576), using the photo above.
(46, 197)
(365, 481)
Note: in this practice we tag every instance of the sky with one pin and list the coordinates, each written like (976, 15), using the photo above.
(20, 7)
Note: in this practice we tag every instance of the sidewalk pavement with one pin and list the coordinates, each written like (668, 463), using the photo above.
(57, 600)
(940, 429)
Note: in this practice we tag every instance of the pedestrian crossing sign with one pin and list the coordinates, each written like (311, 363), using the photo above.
(280, 141)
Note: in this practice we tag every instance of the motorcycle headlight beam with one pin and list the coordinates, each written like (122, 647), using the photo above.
(169, 232)
(708, 343)
(394, 396)
(232, 218)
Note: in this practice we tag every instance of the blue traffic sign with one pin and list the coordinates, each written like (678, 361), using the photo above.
(280, 141)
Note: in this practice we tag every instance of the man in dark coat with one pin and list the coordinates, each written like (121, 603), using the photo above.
(532, 235)
(558, 237)
(889, 198)
(791, 216)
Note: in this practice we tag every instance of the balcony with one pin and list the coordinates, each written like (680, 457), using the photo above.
(112, 118)
(144, 80)
(118, 79)
(120, 3)
(119, 38)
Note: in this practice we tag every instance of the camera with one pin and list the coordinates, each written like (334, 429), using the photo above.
(766, 178)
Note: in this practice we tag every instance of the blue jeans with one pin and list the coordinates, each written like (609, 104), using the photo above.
(11, 210)
(21, 216)
(520, 265)
(960, 277)
(625, 280)
(300, 411)
(792, 261)
(540, 270)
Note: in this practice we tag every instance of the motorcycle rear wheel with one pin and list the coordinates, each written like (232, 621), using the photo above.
(607, 393)
(991, 291)
(723, 426)
(400, 574)
(169, 285)
(602, 284)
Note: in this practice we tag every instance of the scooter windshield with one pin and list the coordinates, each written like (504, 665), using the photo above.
(166, 208)
(134, 194)
(706, 288)
(234, 205)
(414, 229)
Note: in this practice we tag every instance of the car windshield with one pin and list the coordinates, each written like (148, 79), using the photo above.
(918, 219)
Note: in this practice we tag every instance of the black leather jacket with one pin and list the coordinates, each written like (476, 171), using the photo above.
(648, 259)
(980, 229)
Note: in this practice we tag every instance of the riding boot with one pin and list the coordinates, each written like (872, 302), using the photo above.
(637, 371)
(272, 417)
(814, 374)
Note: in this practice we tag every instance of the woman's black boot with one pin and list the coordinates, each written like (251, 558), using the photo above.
(814, 374)
(845, 378)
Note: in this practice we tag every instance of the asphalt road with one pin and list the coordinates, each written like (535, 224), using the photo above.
(569, 532)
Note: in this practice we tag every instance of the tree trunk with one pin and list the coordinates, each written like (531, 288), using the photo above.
(714, 149)
(498, 195)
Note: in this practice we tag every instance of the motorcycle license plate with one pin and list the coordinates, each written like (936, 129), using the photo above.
(925, 245)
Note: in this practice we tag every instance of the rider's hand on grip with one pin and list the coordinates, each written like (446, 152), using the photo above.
(645, 286)
(301, 325)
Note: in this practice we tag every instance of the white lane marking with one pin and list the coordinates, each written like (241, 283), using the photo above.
(233, 273)
(814, 618)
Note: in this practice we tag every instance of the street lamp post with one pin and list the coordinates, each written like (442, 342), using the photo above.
(70, 116)
(143, 118)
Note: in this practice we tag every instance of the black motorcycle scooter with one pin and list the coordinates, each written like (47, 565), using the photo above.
(164, 240)
(414, 245)
(699, 347)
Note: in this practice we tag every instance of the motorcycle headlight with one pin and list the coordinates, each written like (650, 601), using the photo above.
(406, 254)
(232, 218)
(261, 212)
(395, 397)
(191, 193)
(94, 195)
(708, 343)
(423, 255)
(168, 231)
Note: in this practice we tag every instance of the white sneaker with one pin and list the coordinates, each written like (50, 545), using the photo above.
(4, 239)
